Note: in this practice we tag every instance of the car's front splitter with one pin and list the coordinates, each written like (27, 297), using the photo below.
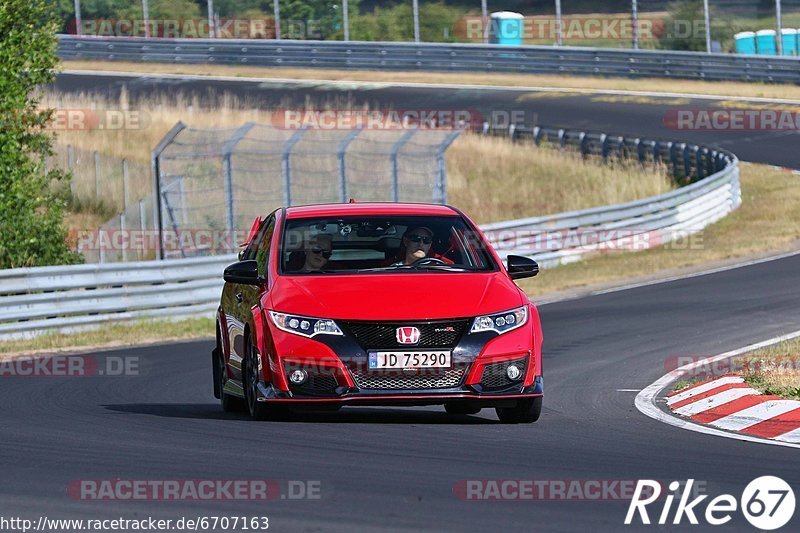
(270, 394)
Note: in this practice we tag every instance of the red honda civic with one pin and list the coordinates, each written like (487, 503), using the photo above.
(376, 304)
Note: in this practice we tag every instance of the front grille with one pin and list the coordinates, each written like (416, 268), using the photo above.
(377, 335)
(495, 377)
(445, 379)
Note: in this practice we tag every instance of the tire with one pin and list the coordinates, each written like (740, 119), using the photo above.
(229, 403)
(461, 408)
(525, 412)
(258, 410)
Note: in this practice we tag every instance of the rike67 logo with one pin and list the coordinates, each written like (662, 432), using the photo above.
(767, 502)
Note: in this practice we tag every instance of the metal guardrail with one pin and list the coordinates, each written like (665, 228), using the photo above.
(713, 191)
(436, 57)
(66, 298)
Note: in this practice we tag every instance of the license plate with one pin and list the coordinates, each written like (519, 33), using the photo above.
(434, 359)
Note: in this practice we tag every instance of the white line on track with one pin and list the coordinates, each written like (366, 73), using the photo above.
(646, 400)
(410, 85)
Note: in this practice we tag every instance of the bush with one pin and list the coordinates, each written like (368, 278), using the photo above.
(31, 231)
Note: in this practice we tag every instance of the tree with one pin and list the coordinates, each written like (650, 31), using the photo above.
(31, 231)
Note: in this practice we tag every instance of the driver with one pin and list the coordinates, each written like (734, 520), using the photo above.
(415, 245)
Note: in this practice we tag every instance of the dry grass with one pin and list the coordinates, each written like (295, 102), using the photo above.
(776, 369)
(141, 332)
(493, 179)
(590, 83)
(490, 177)
(767, 221)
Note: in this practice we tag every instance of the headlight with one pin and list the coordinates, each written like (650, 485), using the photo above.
(304, 325)
(501, 322)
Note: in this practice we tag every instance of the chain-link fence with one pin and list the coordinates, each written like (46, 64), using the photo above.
(219, 180)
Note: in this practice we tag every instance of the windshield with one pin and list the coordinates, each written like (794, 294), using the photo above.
(382, 244)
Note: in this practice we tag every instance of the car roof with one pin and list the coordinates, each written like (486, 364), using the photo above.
(368, 209)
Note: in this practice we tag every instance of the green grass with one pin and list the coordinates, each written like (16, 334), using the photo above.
(775, 369)
(140, 332)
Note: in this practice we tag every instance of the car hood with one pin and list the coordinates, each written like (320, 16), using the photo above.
(400, 296)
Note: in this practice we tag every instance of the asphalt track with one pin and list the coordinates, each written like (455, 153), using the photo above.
(635, 115)
(383, 468)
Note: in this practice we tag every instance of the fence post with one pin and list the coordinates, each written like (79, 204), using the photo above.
(142, 228)
(440, 185)
(404, 138)
(125, 184)
(227, 174)
(286, 166)
(97, 176)
(342, 152)
(155, 169)
(122, 228)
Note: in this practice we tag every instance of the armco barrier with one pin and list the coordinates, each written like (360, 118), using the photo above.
(64, 298)
(436, 57)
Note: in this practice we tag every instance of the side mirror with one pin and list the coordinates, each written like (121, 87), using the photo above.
(521, 267)
(244, 272)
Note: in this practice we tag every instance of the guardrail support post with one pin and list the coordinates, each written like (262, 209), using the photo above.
(537, 135)
(604, 147)
(584, 144)
(562, 138)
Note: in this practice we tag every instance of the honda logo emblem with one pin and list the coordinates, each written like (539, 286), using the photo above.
(408, 335)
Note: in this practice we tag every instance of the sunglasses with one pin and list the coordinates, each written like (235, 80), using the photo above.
(325, 253)
(424, 239)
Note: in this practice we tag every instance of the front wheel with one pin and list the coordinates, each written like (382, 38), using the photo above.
(258, 410)
(525, 412)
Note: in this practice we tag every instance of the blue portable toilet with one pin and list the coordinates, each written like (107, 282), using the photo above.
(765, 41)
(506, 28)
(745, 42)
(789, 42)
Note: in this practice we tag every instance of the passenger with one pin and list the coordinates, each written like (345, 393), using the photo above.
(317, 250)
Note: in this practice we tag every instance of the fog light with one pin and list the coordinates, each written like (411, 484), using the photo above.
(298, 377)
(513, 373)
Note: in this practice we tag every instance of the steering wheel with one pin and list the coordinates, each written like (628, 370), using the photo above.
(428, 261)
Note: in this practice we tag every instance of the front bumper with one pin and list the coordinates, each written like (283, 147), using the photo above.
(337, 370)
(354, 396)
